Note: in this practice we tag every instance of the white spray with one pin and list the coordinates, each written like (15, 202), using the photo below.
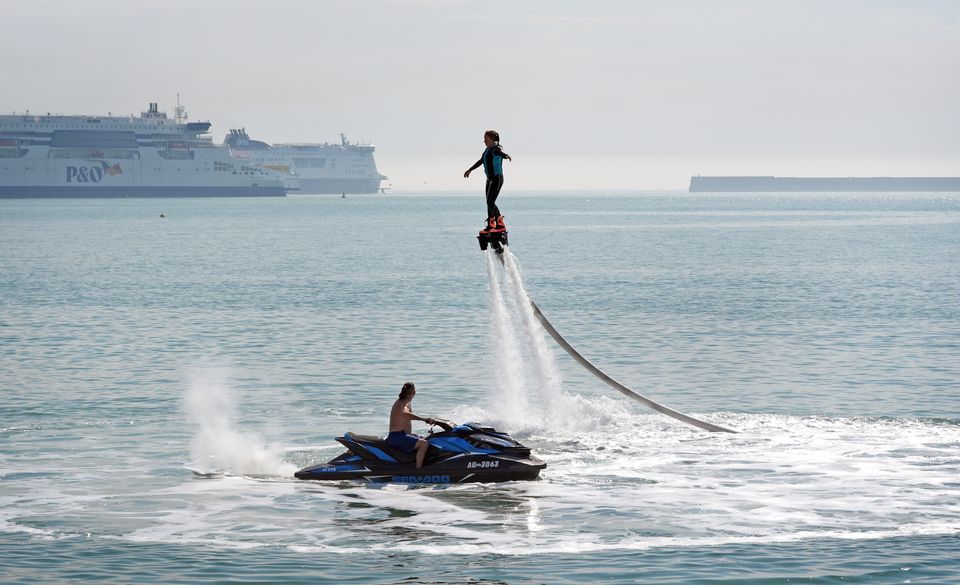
(218, 446)
(545, 371)
(529, 394)
(510, 400)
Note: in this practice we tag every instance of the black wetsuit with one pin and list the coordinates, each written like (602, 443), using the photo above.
(492, 161)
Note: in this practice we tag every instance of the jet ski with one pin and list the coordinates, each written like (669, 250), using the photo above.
(457, 454)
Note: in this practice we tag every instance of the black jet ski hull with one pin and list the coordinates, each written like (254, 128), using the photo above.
(491, 470)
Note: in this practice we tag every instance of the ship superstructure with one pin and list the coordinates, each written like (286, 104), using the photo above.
(319, 168)
(150, 155)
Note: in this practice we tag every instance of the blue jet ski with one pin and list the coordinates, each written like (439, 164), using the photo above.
(457, 454)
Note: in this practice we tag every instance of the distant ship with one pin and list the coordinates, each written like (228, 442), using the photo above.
(753, 184)
(318, 168)
(149, 155)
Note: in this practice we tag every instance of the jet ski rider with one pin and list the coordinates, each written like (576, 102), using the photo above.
(401, 429)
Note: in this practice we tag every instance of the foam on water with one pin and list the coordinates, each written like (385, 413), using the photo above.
(639, 482)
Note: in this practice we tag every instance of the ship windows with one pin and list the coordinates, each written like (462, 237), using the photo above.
(222, 166)
(93, 139)
(309, 163)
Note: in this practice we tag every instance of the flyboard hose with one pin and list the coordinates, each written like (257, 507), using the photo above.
(614, 383)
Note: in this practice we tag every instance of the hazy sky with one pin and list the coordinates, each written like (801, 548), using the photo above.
(609, 95)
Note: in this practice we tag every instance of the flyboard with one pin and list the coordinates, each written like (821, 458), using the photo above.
(495, 238)
(498, 243)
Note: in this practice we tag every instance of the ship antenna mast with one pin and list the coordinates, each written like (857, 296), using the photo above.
(180, 113)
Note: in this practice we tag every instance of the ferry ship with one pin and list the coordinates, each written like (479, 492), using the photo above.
(318, 168)
(150, 155)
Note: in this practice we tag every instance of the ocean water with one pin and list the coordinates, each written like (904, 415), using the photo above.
(240, 336)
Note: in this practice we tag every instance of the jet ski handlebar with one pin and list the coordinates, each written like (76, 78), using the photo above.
(444, 424)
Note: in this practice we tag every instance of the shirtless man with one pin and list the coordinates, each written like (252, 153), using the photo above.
(401, 428)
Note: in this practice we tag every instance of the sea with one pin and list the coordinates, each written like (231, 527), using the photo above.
(167, 364)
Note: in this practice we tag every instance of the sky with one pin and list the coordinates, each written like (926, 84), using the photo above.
(609, 95)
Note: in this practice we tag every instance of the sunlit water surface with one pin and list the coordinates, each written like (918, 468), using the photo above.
(242, 335)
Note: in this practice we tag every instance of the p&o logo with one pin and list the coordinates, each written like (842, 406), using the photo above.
(92, 174)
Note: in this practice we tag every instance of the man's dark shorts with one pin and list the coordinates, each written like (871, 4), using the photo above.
(403, 441)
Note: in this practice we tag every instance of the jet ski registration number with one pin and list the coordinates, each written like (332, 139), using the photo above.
(482, 464)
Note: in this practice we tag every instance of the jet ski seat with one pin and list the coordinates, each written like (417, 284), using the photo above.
(381, 444)
(364, 438)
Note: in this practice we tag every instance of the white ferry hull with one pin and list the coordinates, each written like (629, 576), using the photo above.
(337, 186)
(30, 192)
(150, 176)
(111, 156)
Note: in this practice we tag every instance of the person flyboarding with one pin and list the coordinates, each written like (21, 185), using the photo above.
(492, 162)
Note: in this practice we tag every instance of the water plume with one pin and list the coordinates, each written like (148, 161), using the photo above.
(218, 445)
(528, 395)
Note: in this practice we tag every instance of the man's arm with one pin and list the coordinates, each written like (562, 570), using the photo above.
(412, 416)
